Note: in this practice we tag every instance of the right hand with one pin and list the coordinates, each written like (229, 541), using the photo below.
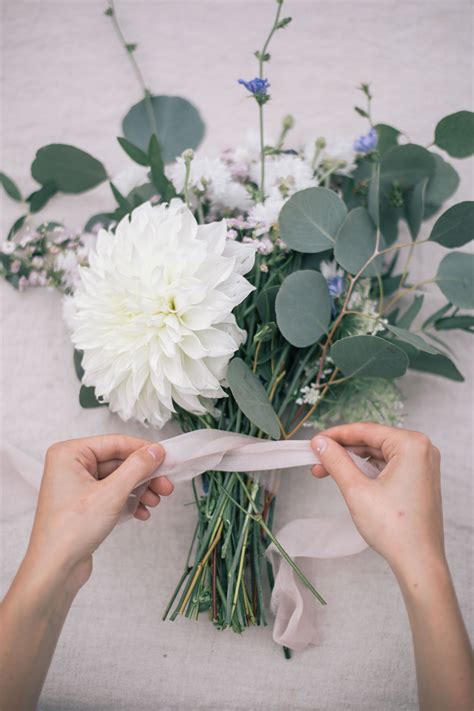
(399, 514)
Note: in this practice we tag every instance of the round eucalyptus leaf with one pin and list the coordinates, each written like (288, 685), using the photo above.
(69, 168)
(455, 278)
(303, 308)
(252, 398)
(443, 184)
(309, 221)
(455, 134)
(369, 357)
(387, 137)
(176, 122)
(406, 165)
(455, 227)
(355, 243)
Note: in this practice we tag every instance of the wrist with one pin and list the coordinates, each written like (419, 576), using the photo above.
(44, 583)
(422, 573)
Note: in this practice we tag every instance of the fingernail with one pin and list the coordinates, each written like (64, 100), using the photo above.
(157, 452)
(319, 443)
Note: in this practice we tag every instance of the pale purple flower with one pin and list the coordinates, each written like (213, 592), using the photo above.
(367, 143)
(22, 283)
(15, 266)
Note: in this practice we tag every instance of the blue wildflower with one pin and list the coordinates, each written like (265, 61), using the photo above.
(365, 144)
(336, 285)
(258, 86)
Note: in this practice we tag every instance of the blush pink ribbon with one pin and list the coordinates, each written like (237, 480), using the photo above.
(191, 454)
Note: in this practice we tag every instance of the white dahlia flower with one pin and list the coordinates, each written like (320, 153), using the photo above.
(153, 312)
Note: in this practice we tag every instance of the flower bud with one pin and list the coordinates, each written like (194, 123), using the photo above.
(288, 122)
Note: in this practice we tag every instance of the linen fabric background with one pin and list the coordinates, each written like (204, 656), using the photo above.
(66, 79)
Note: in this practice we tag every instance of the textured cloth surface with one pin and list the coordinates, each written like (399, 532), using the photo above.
(65, 79)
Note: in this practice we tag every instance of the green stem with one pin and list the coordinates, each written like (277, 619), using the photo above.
(135, 67)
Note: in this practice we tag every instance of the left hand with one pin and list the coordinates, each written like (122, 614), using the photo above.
(85, 485)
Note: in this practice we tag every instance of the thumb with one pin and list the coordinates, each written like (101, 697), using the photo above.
(137, 468)
(337, 462)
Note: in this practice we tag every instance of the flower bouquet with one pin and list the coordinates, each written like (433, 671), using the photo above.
(255, 293)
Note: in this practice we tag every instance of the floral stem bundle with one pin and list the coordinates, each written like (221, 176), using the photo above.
(260, 292)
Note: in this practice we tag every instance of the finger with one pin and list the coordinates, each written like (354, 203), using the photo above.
(136, 469)
(106, 468)
(161, 485)
(106, 447)
(142, 513)
(337, 462)
(366, 452)
(149, 498)
(319, 471)
(387, 439)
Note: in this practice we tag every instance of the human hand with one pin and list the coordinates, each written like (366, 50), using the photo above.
(399, 514)
(85, 485)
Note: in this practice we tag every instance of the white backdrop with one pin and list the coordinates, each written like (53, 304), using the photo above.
(66, 79)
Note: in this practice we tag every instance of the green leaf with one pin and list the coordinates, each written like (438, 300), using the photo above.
(39, 198)
(406, 165)
(135, 153)
(464, 323)
(411, 313)
(141, 194)
(265, 303)
(443, 184)
(17, 225)
(251, 397)
(309, 221)
(122, 201)
(438, 364)
(303, 308)
(455, 227)
(10, 187)
(164, 186)
(415, 207)
(78, 364)
(87, 398)
(100, 219)
(412, 338)
(455, 134)
(455, 279)
(177, 125)
(369, 357)
(355, 243)
(387, 137)
(72, 170)
(434, 316)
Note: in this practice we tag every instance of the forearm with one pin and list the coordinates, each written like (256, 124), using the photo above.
(441, 644)
(32, 616)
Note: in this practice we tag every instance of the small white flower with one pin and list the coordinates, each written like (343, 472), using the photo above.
(210, 178)
(8, 247)
(309, 395)
(284, 176)
(153, 312)
(331, 270)
(338, 152)
(131, 177)
(263, 216)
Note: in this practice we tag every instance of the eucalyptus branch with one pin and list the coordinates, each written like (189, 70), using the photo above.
(130, 50)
